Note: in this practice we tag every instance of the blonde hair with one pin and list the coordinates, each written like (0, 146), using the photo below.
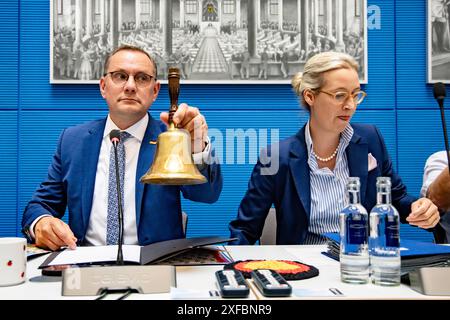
(312, 76)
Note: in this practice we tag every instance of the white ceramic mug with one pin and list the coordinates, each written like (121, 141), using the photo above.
(13, 261)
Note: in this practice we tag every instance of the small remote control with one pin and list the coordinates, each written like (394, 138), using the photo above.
(271, 283)
(232, 284)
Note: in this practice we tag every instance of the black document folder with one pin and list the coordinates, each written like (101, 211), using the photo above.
(155, 253)
(162, 251)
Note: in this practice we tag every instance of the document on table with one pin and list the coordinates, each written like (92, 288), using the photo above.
(131, 253)
(143, 255)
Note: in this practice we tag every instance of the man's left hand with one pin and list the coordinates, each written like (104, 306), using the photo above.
(190, 119)
(424, 214)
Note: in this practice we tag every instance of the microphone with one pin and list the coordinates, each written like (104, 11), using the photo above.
(439, 94)
(114, 136)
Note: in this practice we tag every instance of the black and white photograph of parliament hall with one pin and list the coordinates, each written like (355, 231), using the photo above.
(210, 41)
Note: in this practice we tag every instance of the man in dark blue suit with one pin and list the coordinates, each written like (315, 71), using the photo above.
(78, 177)
(309, 188)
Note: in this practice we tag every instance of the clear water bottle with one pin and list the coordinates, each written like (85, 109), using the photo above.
(354, 255)
(384, 241)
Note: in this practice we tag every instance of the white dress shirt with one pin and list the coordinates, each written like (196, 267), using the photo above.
(433, 168)
(96, 232)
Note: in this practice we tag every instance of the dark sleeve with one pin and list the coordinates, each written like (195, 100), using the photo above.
(400, 199)
(254, 207)
(50, 197)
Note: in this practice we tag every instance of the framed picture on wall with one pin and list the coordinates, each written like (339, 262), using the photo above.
(438, 40)
(210, 41)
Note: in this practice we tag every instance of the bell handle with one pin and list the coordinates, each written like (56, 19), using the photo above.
(174, 91)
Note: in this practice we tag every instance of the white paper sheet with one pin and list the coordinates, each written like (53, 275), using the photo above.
(302, 292)
(131, 253)
(180, 293)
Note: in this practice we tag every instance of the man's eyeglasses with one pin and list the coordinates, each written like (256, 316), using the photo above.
(121, 77)
(342, 96)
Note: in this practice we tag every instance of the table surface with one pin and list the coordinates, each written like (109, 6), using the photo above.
(201, 279)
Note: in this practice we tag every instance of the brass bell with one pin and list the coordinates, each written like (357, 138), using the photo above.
(173, 163)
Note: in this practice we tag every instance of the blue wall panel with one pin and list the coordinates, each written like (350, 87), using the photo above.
(399, 102)
(419, 128)
(411, 46)
(8, 173)
(9, 54)
(419, 135)
(381, 56)
(9, 69)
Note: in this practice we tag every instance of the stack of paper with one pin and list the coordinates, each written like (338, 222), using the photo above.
(414, 254)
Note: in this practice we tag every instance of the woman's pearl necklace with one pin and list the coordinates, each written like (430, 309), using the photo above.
(325, 159)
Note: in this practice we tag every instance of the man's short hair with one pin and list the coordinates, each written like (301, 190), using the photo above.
(129, 48)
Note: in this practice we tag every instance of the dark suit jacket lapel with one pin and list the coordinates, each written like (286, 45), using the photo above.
(298, 164)
(91, 150)
(357, 153)
(146, 154)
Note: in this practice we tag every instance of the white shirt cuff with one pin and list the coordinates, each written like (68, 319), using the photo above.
(34, 223)
(433, 168)
(201, 158)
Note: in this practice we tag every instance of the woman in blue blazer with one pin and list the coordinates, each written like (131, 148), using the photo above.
(308, 190)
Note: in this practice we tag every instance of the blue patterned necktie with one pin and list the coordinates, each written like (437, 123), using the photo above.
(112, 225)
